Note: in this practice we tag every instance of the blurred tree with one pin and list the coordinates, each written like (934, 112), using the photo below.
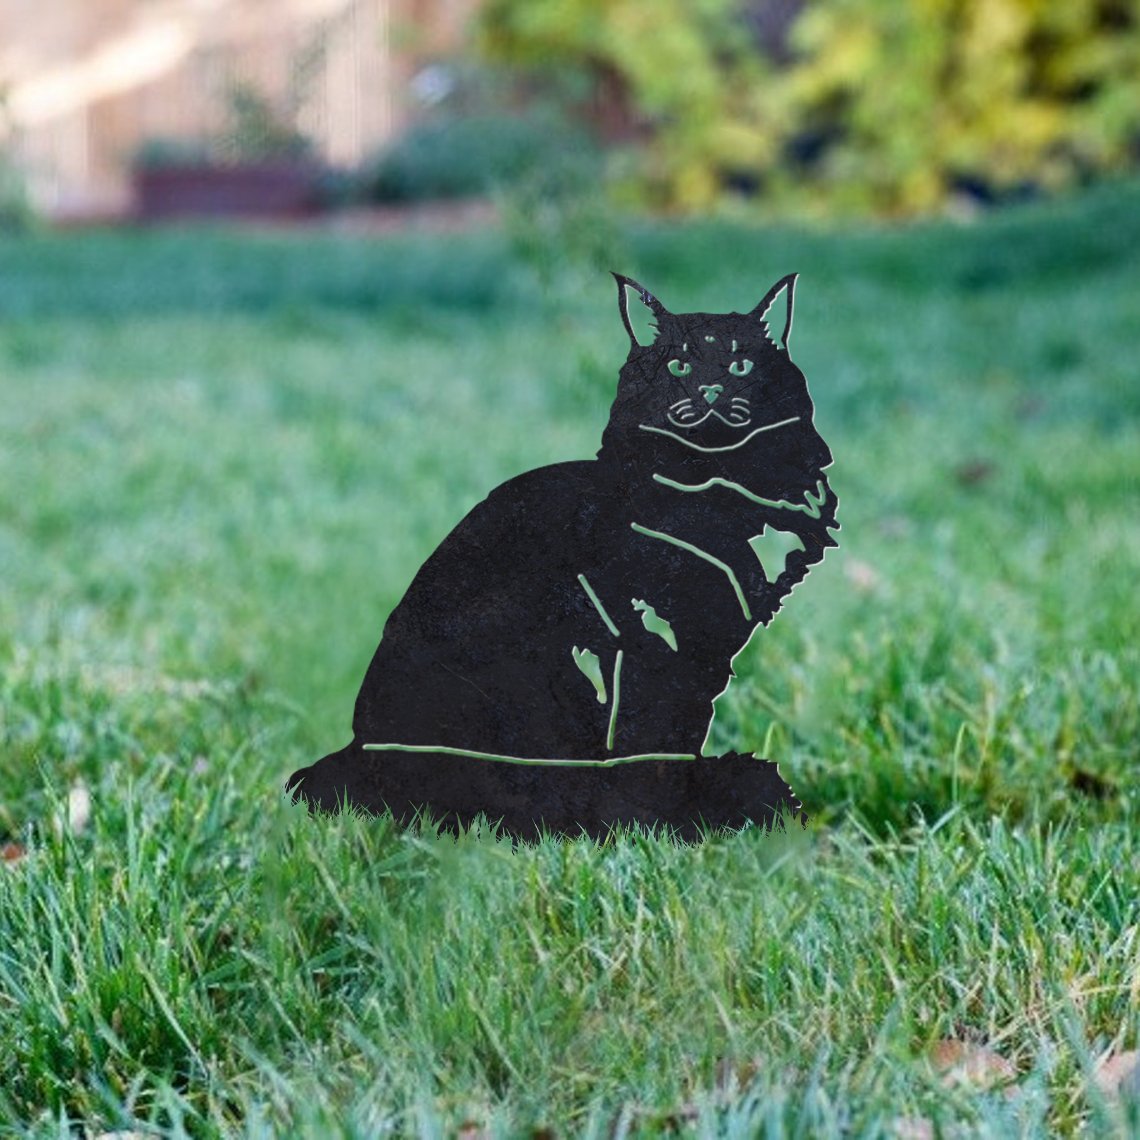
(16, 211)
(895, 105)
(872, 105)
(684, 77)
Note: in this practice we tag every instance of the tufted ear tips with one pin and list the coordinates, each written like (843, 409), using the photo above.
(640, 325)
(769, 309)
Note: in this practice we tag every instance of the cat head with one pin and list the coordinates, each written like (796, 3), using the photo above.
(714, 389)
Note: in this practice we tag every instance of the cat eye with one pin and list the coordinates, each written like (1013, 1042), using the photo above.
(740, 369)
(679, 369)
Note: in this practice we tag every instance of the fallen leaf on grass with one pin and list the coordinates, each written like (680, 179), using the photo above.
(973, 472)
(78, 807)
(913, 1128)
(78, 813)
(473, 1130)
(961, 1063)
(862, 575)
(732, 1074)
(1091, 785)
(895, 526)
(1118, 1075)
(12, 852)
(633, 1119)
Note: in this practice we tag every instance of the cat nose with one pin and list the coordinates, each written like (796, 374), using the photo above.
(711, 391)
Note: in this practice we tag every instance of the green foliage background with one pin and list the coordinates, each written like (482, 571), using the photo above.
(872, 105)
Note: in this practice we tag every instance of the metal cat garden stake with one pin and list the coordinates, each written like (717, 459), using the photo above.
(554, 663)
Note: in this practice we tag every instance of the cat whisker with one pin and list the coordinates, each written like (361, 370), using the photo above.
(690, 417)
(733, 418)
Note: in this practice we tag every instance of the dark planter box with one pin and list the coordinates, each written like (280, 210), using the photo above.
(265, 189)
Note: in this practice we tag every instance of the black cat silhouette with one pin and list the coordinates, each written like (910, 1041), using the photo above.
(554, 662)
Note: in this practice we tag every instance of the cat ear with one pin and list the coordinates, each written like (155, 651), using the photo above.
(769, 309)
(641, 325)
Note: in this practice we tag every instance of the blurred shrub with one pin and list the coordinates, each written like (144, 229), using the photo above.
(259, 130)
(686, 70)
(557, 218)
(903, 103)
(256, 129)
(545, 172)
(163, 152)
(880, 105)
(456, 155)
(16, 212)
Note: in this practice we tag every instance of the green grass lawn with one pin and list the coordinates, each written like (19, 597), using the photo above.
(224, 454)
